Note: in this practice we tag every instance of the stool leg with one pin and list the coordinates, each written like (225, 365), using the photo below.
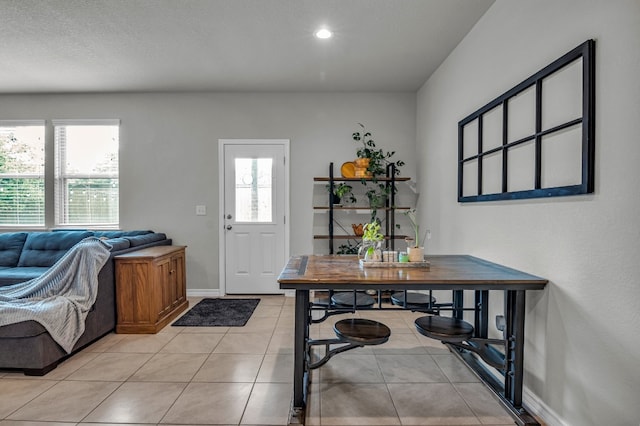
(458, 304)
(482, 314)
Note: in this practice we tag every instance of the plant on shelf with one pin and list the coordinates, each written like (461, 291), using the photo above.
(415, 251)
(348, 248)
(340, 191)
(377, 161)
(378, 158)
(377, 195)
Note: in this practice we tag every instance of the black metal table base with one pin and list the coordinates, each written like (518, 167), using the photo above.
(509, 392)
(519, 414)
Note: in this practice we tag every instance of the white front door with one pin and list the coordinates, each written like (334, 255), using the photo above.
(254, 212)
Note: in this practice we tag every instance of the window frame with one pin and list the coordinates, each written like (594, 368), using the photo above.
(60, 176)
(38, 176)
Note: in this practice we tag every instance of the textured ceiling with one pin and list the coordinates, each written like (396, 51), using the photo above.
(227, 45)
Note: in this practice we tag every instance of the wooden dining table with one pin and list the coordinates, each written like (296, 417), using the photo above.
(457, 273)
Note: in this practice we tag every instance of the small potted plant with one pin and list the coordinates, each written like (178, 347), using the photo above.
(414, 250)
(371, 249)
(371, 164)
(378, 195)
(348, 248)
(373, 159)
(341, 191)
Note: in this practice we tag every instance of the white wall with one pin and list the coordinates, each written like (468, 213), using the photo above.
(169, 152)
(582, 350)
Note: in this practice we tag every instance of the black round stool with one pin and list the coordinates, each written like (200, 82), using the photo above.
(445, 329)
(414, 300)
(362, 331)
(346, 299)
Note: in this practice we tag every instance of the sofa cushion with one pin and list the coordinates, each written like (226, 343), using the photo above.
(119, 234)
(138, 232)
(21, 330)
(138, 240)
(10, 276)
(118, 244)
(11, 244)
(46, 248)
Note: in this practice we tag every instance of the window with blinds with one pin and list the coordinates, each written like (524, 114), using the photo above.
(22, 173)
(86, 172)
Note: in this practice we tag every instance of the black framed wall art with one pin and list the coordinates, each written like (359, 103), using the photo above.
(537, 139)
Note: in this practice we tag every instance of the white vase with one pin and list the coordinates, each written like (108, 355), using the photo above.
(416, 254)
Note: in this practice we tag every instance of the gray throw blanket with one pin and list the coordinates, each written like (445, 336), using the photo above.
(59, 299)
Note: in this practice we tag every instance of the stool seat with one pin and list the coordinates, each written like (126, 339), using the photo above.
(346, 299)
(362, 331)
(445, 329)
(414, 299)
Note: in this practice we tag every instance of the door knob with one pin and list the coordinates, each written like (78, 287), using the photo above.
(229, 226)
(229, 216)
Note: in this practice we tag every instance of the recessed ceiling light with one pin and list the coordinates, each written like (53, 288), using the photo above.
(323, 33)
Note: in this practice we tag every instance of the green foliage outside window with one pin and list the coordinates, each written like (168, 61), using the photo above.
(21, 181)
(86, 195)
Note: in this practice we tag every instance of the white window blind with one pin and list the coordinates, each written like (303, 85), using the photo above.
(22, 173)
(86, 172)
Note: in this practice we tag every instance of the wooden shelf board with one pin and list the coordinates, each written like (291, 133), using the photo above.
(357, 179)
(359, 208)
(353, 237)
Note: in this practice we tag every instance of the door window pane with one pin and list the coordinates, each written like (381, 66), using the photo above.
(253, 189)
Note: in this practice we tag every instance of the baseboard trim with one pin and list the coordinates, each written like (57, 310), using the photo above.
(538, 408)
(206, 292)
(203, 292)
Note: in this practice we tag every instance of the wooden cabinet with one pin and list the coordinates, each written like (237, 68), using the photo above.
(150, 288)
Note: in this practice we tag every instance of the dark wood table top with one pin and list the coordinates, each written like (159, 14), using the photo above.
(447, 272)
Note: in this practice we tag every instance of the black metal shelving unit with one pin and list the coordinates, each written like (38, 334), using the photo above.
(390, 179)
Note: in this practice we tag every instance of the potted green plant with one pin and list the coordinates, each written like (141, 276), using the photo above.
(414, 250)
(378, 195)
(340, 191)
(371, 249)
(348, 248)
(377, 161)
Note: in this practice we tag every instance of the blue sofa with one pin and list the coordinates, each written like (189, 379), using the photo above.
(27, 345)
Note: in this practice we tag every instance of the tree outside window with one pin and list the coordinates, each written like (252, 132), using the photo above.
(22, 190)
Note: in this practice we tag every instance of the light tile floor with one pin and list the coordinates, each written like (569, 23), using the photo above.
(243, 376)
